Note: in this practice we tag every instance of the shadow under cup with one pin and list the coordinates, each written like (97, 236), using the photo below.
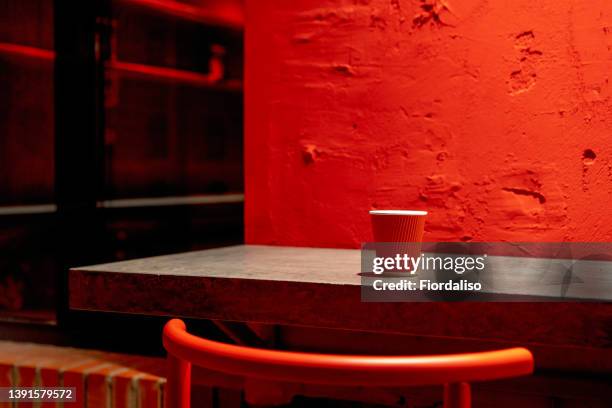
(398, 232)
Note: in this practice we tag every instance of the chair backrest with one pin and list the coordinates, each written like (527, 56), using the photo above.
(331, 369)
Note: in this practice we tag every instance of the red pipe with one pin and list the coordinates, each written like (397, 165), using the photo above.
(168, 73)
(27, 51)
(189, 12)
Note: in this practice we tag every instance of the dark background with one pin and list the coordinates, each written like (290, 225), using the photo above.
(116, 142)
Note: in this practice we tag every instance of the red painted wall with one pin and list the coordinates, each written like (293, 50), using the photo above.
(494, 116)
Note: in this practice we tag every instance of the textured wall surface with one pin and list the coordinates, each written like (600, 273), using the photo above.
(493, 115)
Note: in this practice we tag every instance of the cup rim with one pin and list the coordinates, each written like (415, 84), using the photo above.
(398, 212)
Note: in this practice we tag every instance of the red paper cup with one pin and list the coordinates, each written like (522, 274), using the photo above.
(398, 225)
(398, 232)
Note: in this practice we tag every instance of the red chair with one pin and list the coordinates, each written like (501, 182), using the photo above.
(263, 367)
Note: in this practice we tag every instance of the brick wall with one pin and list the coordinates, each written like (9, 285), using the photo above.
(101, 379)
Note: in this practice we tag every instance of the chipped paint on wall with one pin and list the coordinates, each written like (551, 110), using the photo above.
(494, 116)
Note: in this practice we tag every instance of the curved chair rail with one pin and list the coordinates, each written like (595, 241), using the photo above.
(344, 370)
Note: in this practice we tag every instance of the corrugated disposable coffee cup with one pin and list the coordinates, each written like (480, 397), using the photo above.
(398, 232)
(398, 225)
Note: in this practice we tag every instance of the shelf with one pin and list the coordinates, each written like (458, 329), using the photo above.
(171, 201)
(43, 317)
(131, 203)
(28, 209)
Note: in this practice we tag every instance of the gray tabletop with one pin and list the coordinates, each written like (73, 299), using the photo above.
(322, 288)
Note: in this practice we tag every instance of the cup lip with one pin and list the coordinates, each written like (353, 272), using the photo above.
(398, 212)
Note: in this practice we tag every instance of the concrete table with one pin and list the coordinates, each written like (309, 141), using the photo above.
(320, 288)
